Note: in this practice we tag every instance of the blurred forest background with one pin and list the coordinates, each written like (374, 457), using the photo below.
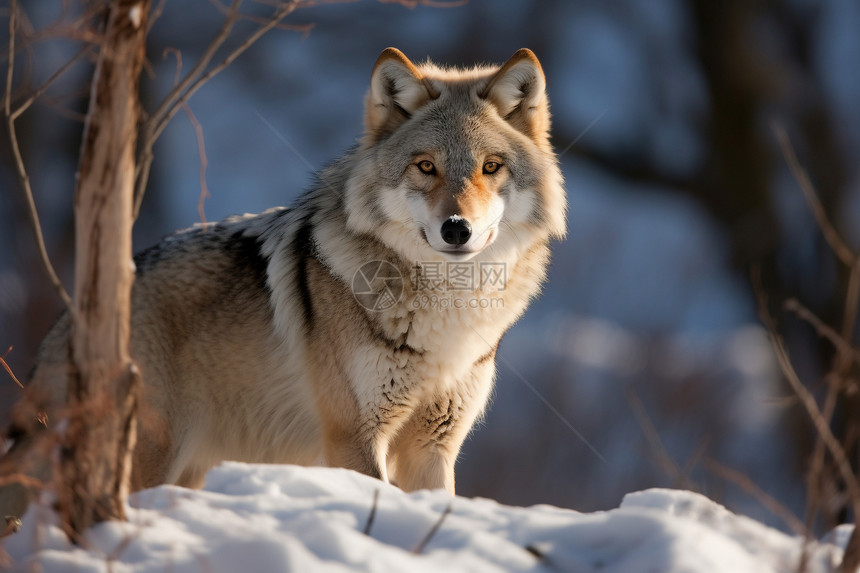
(647, 339)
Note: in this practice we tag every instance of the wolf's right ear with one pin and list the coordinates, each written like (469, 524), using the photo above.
(518, 90)
(397, 90)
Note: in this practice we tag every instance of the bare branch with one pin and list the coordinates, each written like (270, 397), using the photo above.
(189, 85)
(751, 488)
(22, 479)
(155, 15)
(157, 116)
(150, 127)
(62, 110)
(9, 370)
(305, 29)
(664, 460)
(823, 330)
(178, 55)
(41, 90)
(851, 303)
(372, 514)
(819, 420)
(841, 250)
(201, 149)
(23, 178)
(73, 30)
(167, 115)
(432, 3)
(433, 530)
(851, 558)
(846, 354)
(816, 466)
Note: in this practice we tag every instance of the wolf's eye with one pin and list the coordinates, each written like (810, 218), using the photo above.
(491, 167)
(427, 167)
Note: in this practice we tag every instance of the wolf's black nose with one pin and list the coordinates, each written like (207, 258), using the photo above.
(456, 230)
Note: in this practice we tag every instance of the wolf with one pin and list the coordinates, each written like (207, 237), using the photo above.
(308, 335)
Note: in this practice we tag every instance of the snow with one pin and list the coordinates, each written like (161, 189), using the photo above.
(290, 518)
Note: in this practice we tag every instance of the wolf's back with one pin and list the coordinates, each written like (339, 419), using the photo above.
(200, 317)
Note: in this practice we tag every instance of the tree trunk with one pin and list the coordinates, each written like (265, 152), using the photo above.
(95, 462)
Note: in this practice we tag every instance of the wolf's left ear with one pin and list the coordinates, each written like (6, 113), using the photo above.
(397, 90)
(518, 90)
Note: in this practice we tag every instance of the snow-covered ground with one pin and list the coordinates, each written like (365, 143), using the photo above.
(261, 518)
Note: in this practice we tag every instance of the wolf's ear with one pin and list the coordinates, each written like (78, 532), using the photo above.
(518, 90)
(397, 90)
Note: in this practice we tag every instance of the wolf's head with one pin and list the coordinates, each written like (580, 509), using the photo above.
(456, 161)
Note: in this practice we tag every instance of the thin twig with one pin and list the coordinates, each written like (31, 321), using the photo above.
(201, 149)
(162, 118)
(816, 466)
(177, 73)
(664, 460)
(841, 250)
(851, 558)
(807, 400)
(822, 329)
(63, 30)
(852, 299)
(61, 110)
(5, 365)
(420, 547)
(150, 131)
(155, 15)
(23, 178)
(174, 101)
(750, 487)
(158, 115)
(432, 3)
(303, 28)
(38, 93)
(372, 515)
(22, 479)
(818, 420)
(845, 356)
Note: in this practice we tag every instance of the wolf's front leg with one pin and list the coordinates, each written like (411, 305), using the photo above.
(425, 451)
(426, 448)
(347, 424)
(358, 438)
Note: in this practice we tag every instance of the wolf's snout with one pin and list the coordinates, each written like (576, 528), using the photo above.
(456, 230)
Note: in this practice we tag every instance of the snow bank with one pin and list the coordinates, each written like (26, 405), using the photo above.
(286, 518)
